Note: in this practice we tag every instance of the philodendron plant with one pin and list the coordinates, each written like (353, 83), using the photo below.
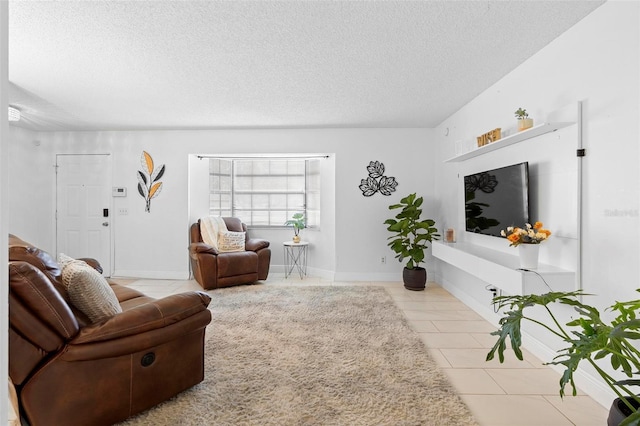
(588, 337)
(298, 222)
(411, 234)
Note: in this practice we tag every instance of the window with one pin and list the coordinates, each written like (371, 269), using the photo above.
(265, 192)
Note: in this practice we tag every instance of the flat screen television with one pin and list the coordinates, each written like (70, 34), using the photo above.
(495, 199)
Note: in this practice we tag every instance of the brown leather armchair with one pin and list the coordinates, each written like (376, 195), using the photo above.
(68, 371)
(212, 269)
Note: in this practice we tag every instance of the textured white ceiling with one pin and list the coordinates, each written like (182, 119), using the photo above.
(267, 64)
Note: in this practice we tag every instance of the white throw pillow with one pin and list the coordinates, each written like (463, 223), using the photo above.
(64, 261)
(88, 290)
(229, 241)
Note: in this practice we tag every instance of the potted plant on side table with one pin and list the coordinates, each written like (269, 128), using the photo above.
(298, 222)
(589, 338)
(411, 235)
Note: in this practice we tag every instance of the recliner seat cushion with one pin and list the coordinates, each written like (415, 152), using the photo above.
(237, 263)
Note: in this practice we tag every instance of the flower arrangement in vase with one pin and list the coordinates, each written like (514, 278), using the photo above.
(528, 239)
(530, 234)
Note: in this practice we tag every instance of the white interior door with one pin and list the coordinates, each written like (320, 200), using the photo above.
(83, 207)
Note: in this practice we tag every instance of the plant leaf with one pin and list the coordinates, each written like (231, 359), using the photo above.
(147, 162)
(632, 420)
(368, 186)
(387, 185)
(155, 190)
(157, 174)
(142, 178)
(142, 190)
(509, 329)
(375, 169)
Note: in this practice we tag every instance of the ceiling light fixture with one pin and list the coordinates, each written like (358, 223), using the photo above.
(14, 114)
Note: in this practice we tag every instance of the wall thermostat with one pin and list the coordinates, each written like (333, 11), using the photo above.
(119, 192)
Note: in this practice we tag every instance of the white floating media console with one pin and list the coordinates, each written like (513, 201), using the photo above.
(502, 269)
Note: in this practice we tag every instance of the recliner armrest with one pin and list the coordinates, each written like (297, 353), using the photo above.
(149, 316)
(255, 244)
(93, 263)
(201, 248)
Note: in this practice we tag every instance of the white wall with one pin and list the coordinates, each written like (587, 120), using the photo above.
(349, 244)
(597, 62)
(30, 197)
(4, 161)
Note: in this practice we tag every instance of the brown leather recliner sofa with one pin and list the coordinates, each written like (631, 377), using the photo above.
(212, 269)
(69, 371)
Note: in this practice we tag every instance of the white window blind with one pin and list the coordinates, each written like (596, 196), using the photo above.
(265, 192)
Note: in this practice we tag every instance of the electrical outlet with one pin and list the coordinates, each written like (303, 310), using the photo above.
(383, 259)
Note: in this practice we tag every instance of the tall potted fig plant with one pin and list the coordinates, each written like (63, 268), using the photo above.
(409, 240)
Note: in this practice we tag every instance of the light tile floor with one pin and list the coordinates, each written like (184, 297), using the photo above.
(515, 393)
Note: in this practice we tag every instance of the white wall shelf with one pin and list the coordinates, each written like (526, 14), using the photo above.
(538, 130)
(501, 269)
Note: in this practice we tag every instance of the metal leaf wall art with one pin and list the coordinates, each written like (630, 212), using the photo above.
(148, 180)
(377, 182)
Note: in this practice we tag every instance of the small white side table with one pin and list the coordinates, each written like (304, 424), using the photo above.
(295, 256)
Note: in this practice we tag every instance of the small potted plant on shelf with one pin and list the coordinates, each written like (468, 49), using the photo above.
(524, 122)
(411, 235)
(589, 338)
(298, 222)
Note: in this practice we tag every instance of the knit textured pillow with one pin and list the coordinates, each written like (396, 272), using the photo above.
(88, 290)
(229, 241)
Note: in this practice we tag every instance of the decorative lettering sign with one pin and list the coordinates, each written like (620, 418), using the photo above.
(489, 137)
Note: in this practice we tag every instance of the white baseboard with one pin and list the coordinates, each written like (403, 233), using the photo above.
(588, 384)
(345, 276)
(322, 273)
(325, 274)
(367, 276)
(377, 276)
(152, 275)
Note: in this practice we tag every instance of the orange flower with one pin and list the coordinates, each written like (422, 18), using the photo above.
(527, 235)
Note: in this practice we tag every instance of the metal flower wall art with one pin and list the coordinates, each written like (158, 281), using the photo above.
(148, 177)
(377, 182)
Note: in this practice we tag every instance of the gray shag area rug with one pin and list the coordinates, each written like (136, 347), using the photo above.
(312, 356)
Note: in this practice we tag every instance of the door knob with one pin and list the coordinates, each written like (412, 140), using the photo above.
(105, 223)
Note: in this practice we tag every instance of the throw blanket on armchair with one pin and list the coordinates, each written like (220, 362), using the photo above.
(210, 227)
